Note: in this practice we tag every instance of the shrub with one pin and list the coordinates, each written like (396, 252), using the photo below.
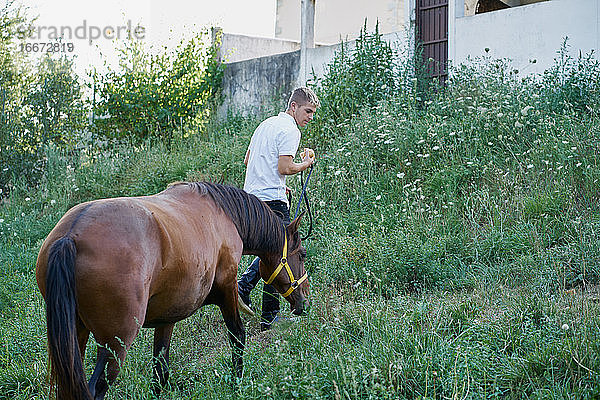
(359, 76)
(40, 104)
(152, 95)
(572, 83)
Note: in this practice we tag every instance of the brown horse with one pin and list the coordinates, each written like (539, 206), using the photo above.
(112, 266)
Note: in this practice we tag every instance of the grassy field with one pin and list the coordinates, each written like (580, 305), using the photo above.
(455, 254)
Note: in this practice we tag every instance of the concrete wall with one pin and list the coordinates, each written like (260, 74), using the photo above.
(250, 86)
(236, 48)
(529, 32)
(337, 20)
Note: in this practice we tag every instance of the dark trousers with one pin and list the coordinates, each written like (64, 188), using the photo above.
(250, 277)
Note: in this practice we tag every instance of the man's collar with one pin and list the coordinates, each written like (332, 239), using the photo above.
(283, 113)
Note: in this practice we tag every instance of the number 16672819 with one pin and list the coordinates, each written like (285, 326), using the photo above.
(47, 47)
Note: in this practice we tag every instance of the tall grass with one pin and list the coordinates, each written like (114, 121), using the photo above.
(455, 251)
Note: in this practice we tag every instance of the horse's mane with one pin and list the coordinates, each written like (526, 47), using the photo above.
(258, 226)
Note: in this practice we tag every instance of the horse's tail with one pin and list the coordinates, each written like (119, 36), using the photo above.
(61, 316)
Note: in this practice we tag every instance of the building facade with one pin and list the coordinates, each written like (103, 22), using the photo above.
(337, 20)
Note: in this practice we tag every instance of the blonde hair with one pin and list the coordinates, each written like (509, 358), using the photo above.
(303, 96)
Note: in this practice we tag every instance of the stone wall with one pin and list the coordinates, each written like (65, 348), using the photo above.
(251, 86)
(234, 48)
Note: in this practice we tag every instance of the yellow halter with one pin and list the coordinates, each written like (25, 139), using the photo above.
(293, 282)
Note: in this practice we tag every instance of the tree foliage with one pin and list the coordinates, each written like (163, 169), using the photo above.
(40, 102)
(151, 95)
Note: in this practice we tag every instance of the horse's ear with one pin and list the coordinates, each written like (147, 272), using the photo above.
(293, 226)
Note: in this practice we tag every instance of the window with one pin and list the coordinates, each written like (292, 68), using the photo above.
(482, 6)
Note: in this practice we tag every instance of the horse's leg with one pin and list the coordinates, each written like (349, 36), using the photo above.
(101, 379)
(237, 336)
(98, 385)
(83, 335)
(162, 341)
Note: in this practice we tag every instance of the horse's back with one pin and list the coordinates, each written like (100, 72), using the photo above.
(196, 233)
(118, 248)
(142, 260)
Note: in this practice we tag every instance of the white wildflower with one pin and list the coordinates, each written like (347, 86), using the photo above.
(436, 148)
(400, 175)
(378, 197)
(27, 199)
(52, 202)
(526, 110)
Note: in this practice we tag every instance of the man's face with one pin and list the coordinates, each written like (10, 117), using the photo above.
(303, 114)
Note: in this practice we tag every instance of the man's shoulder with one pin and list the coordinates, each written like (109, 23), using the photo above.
(279, 123)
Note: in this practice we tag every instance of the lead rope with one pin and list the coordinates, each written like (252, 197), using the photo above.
(306, 202)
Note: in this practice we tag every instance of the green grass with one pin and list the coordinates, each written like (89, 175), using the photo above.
(456, 254)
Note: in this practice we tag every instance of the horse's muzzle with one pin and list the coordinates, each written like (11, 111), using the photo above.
(301, 307)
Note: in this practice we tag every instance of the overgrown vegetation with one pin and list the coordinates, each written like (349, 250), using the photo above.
(152, 95)
(44, 105)
(455, 254)
(40, 102)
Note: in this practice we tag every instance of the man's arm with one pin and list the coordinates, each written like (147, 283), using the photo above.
(287, 166)
(247, 157)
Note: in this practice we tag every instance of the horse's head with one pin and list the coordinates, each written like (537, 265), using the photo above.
(286, 271)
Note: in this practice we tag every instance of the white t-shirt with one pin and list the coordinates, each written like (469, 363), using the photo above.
(274, 137)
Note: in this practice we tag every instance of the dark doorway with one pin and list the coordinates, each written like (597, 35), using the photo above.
(432, 36)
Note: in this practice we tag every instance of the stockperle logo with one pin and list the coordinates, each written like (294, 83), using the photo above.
(84, 31)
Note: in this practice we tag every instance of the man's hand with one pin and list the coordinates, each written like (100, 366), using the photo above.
(308, 153)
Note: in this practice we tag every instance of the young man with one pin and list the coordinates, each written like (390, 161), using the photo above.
(269, 159)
